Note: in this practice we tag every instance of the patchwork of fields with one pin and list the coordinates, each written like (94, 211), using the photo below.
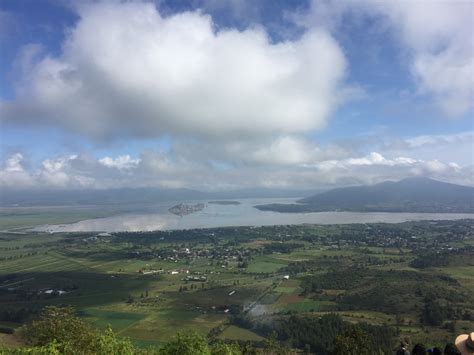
(148, 286)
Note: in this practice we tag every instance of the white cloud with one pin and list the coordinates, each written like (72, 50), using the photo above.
(14, 174)
(159, 169)
(450, 77)
(59, 173)
(121, 162)
(287, 150)
(440, 34)
(13, 164)
(127, 71)
(430, 140)
(437, 33)
(282, 151)
(375, 167)
(291, 150)
(372, 159)
(458, 147)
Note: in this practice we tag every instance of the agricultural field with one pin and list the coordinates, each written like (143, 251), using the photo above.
(23, 218)
(236, 284)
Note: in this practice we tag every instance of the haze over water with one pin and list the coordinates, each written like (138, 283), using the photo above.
(235, 215)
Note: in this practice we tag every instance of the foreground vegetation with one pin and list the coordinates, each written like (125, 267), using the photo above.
(296, 287)
(59, 331)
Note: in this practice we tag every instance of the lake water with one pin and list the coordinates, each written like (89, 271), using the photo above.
(213, 215)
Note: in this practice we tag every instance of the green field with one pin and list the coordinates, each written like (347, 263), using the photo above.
(28, 217)
(118, 321)
(235, 333)
(264, 267)
(149, 286)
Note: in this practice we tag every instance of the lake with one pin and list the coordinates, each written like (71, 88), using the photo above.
(213, 215)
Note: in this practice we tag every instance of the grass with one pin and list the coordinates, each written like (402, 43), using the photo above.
(266, 264)
(9, 324)
(461, 272)
(116, 320)
(92, 289)
(9, 341)
(270, 298)
(285, 289)
(464, 275)
(28, 217)
(300, 255)
(220, 296)
(236, 333)
(303, 305)
(162, 325)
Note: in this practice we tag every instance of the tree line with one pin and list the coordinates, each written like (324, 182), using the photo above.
(57, 330)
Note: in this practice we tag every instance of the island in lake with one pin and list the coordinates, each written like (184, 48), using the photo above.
(183, 209)
(223, 202)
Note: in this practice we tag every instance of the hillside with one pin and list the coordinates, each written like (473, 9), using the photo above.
(408, 195)
(139, 196)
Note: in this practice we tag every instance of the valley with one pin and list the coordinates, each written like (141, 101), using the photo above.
(246, 283)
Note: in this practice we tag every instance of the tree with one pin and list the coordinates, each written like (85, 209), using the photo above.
(273, 347)
(59, 331)
(49, 349)
(108, 343)
(433, 313)
(60, 325)
(222, 348)
(186, 344)
(354, 342)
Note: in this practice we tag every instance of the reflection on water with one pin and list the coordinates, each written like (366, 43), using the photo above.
(236, 215)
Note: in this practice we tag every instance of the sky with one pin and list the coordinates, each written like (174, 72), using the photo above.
(220, 95)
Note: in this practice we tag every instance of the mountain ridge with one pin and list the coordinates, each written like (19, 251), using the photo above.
(416, 194)
(143, 195)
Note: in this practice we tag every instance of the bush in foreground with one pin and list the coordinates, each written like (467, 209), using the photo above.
(59, 331)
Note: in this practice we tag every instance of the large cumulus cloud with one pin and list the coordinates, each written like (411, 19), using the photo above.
(125, 70)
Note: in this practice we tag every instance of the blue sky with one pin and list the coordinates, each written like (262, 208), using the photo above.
(284, 94)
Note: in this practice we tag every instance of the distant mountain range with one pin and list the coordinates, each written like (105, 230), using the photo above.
(408, 195)
(134, 196)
